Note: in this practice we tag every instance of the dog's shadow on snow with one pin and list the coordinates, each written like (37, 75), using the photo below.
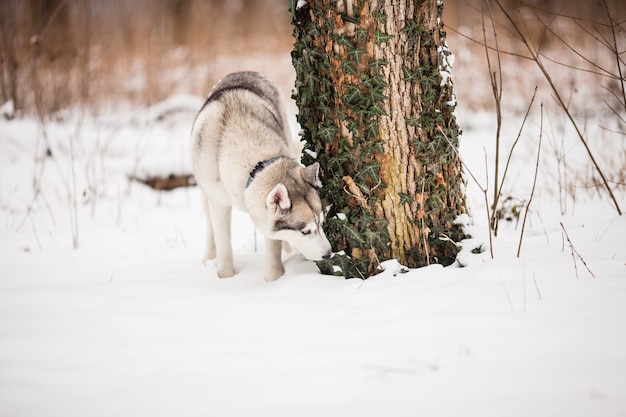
(250, 267)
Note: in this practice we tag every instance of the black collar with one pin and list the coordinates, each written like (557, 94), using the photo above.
(260, 167)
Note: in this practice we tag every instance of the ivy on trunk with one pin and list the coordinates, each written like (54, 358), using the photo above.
(374, 93)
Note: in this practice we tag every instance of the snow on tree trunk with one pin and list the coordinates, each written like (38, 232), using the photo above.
(374, 93)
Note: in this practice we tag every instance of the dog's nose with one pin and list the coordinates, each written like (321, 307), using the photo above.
(327, 255)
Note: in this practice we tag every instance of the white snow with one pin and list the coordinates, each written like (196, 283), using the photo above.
(311, 153)
(451, 102)
(133, 324)
(445, 77)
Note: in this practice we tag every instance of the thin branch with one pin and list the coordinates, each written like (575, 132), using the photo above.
(571, 48)
(575, 253)
(603, 40)
(622, 133)
(590, 33)
(615, 48)
(519, 134)
(611, 92)
(484, 190)
(487, 204)
(615, 111)
(508, 161)
(537, 287)
(548, 77)
(572, 67)
(596, 184)
(532, 191)
(491, 48)
(496, 87)
(563, 15)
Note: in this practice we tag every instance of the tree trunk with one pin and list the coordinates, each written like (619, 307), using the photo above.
(375, 98)
(9, 47)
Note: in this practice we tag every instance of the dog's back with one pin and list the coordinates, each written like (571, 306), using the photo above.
(241, 123)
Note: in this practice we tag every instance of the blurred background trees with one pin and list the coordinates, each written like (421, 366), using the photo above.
(100, 53)
(57, 53)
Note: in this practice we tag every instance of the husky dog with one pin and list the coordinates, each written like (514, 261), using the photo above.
(242, 157)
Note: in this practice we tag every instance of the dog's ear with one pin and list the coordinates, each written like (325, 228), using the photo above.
(311, 175)
(278, 198)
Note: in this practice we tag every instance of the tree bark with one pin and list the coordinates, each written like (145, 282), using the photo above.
(375, 98)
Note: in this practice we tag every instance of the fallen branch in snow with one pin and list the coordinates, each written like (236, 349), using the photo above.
(168, 183)
(575, 253)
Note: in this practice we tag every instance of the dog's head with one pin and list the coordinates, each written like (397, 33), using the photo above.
(296, 215)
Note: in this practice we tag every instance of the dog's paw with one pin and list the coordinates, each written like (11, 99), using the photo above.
(207, 261)
(208, 256)
(225, 272)
(273, 274)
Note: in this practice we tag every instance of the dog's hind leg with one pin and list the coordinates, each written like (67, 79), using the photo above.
(220, 218)
(209, 249)
(275, 267)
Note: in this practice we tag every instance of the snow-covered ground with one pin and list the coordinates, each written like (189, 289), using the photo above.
(131, 323)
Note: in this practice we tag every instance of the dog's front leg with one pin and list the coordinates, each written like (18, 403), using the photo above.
(274, 259)
(209, 249)
(220, 218)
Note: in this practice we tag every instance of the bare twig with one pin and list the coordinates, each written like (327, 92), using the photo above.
(571, 48)
(560, 14)
(508, 162)
(615, 111)
(484, 190)
(537, 59)
(72, 191)
(521, 56)
(496, 87)
(537, 286)
(572, 67)
(519, 134)
(575, 253)
(532, 191)
(491, 48)
(615, 50)
(610, 44)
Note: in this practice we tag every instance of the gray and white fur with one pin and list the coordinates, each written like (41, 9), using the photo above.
(242, 157)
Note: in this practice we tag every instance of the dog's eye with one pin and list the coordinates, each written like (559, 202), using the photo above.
(305, 232)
